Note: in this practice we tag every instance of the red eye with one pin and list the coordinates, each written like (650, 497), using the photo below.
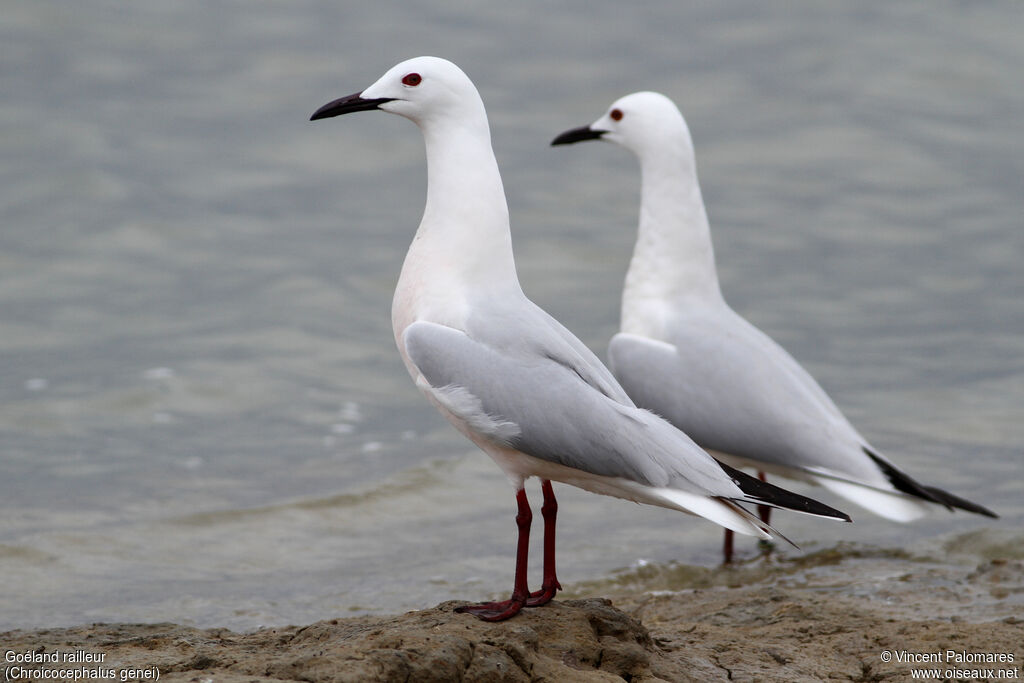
(411, 79)
(616, 114)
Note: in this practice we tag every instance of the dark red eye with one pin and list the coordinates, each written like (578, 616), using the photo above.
(411, 79)
(616, 114)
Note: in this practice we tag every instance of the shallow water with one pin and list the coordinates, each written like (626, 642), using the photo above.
(204, 419)
(975, 576)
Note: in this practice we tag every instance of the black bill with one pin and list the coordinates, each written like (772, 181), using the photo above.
(347, 105)
(578, 135)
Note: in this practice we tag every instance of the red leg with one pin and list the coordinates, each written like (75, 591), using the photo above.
(550, 584)
(499, 611)
(764, 511)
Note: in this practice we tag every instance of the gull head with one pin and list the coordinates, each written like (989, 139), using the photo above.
(639, 122)
(423, 89)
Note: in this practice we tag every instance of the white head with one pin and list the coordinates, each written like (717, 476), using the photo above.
(673, 257)
(465, 217)
(642, 122)
(423, 89)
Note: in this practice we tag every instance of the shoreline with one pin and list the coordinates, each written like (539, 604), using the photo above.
(781, 619)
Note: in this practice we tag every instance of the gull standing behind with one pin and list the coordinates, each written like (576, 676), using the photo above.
(505, 373)
(683, 353)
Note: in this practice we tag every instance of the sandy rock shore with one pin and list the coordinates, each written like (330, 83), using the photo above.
(794, 622)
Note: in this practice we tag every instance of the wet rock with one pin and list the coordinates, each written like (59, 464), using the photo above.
(578, 640)
(765, 631)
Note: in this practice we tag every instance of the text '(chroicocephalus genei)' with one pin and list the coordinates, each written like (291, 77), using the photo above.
(683, 353)
(505, 373)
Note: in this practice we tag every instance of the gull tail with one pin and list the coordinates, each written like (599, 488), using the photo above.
(903, 482)
(724, 511)
(763, 493)
(887, 503)
(756, 522)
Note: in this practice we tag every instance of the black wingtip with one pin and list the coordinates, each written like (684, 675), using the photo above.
(769, 494)
(907, 484)
(953, 501)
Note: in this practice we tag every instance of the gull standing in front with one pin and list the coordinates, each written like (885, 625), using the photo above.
(683, 353)
(505, 373)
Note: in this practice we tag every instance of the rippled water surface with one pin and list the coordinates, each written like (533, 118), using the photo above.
(203, 415)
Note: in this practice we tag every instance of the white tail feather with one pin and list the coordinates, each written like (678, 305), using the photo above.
(718, 510)
(891, 505)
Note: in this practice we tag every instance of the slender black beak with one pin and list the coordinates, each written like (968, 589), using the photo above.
(578, 135)
(347, 105)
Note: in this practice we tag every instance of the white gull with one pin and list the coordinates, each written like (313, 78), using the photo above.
(505, 373)
(683, 353)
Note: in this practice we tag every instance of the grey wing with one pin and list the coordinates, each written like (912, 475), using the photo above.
(735, 391)
(501, 328)
(546, 408)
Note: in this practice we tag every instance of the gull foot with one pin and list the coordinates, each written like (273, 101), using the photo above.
(494, 611)
(544, 595)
